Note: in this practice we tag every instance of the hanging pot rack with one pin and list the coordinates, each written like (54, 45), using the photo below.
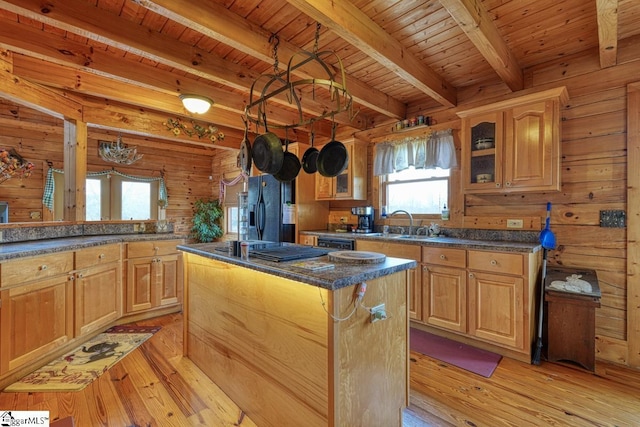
(340, 97)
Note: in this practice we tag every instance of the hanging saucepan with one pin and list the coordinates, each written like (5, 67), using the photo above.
(245, 150)
(267, 151)
(333, 157)
(310, 158)
(290, 166)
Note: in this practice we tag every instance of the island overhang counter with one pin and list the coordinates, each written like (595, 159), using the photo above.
(298, 347)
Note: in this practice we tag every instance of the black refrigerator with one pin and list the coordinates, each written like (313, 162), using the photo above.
(271, 209)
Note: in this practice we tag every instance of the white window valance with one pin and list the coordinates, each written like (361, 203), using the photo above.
(423, 152)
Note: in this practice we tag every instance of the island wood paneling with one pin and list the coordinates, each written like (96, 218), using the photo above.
(269, 343)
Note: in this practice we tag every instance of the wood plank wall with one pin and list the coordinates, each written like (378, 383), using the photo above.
(594, 178)
(594, 171)
(593, 175)
(39, 139)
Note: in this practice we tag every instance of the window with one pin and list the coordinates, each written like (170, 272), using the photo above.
(419, 191)
(230, 204)
(232, 219)
(113, 197)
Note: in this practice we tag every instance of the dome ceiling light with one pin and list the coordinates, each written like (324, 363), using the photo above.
(196, 104)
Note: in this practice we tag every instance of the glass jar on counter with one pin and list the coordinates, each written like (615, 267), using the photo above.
(243, 215)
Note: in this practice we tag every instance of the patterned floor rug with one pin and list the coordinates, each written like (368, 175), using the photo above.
(77, 369)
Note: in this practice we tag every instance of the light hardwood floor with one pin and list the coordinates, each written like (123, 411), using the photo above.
(156, 386)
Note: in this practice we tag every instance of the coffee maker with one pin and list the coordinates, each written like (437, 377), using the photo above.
(365, 218)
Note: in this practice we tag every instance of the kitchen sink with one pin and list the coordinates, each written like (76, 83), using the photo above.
(408, 237)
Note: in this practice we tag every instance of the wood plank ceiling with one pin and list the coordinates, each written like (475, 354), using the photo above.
(398, 55)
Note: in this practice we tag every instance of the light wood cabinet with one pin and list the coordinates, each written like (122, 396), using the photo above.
(309, 240)
(398, 250)
(497, 298)
(98, 288)
(350, 184)
(444, 282)
(154, 275)
(44, 297)
(513, 145)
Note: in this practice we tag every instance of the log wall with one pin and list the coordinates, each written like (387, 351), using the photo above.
(594, 178)
(594, 175)
(39, 139)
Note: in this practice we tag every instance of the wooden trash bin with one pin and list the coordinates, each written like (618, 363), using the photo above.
(570, 315)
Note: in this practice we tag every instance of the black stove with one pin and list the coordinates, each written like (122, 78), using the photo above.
(287, 253)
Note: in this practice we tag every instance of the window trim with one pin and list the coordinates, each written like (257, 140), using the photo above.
(383, 189)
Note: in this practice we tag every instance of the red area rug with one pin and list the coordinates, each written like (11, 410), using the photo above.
(463, 356)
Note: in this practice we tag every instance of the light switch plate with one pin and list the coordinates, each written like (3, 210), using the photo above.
(515, 223)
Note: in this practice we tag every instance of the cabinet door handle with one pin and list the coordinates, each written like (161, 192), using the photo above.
(156, 249)
(470, 275)
(425, 268)
(494, 262)
(507, 184)
(497, 185)
(101, 256)
(443, 257)
(43, 267)
(80, 275)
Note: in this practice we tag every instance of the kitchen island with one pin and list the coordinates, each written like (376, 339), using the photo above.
(295, 347)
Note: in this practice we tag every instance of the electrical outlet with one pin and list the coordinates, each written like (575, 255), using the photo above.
(515, 223)
(378, 313)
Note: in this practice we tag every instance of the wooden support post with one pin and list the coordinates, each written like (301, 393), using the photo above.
(75, 170)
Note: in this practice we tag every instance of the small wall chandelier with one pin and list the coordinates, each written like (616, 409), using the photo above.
(118, 152)
(196, 104)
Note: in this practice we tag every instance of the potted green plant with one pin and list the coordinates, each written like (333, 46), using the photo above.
(207, 220)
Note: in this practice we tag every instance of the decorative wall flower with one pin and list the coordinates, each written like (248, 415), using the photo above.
(13, 165)
(177, 126)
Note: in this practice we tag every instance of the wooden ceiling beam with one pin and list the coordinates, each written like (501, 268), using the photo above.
(475, 21)
(33, 95)
(81, 18)
(84, 82)
(607, 11)
(350, 23)
(217, 22)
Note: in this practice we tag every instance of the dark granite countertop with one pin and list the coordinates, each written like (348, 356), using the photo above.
(46, 246)
(342, 275)
(440, 241)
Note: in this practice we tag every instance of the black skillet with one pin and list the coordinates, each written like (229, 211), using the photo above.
(267, 151)
(310, 158)
(290, 165)
(333, 157)
(245, 151)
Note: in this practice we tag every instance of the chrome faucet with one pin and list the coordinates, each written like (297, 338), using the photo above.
(410, 219)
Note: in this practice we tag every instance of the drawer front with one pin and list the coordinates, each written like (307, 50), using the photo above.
(152, 248)
(23, 270)
(90, 257)
(497, 262)
(395, 250)
(444, 256)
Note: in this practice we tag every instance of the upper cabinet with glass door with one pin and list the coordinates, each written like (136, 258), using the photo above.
(351, 184)
(513, 145)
